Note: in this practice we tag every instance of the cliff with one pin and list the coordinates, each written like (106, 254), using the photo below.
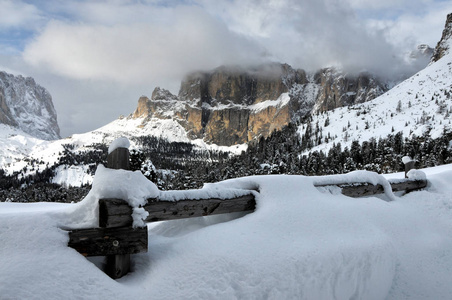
(28, 106)
(337, 89)
(234, 105)
(444, 45)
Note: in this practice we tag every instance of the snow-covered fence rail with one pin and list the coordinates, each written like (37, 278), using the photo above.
(357, 190)
(117, 212)
(117, 237)
(413, 181)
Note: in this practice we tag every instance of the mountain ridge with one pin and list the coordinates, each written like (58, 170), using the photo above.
(26, 105)
(163, 117)
(228, 106)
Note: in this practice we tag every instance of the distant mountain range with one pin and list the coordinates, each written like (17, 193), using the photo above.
(230, 106)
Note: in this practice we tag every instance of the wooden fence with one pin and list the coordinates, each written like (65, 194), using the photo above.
(116, 239)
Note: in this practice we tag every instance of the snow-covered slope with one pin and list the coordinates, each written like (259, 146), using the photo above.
(17, 148)
(309, 245)
(420, 105)
(20, 152)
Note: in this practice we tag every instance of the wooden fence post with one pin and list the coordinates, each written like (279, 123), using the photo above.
(117, 265)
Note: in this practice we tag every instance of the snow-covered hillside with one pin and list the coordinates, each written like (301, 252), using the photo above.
(19, 150)
(309, 245)
(420, 105)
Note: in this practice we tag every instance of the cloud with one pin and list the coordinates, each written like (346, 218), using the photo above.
(410, 29)
(15, 14)
(140, 52)
(130, 42)
(311, 34)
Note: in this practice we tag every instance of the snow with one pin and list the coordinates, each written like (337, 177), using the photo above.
(209, 191)
(17, 147)
(130, 186)
(75, 176)
(121, 142)
(357, 177)
(282, 100)
(425, 105)
(406, 159)
(416, 175)
(300, 243)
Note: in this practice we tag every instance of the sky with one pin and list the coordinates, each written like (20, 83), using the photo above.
(97, 58)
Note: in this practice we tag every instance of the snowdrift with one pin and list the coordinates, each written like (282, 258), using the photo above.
(300, 243)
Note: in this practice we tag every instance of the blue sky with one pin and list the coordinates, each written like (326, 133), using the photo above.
(101, 56)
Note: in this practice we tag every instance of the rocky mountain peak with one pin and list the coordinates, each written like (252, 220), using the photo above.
(240, 85)
(27, 106)
(162, 94)
(142, 109)
(234, 105)
(338, 89)
(444, 45)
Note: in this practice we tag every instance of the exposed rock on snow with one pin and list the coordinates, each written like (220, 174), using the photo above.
(233, 105)
(444, 45)
(27, 106)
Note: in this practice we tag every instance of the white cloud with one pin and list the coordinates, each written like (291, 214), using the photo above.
(130, 42)
(309, 34)
(414, 29)
(141, 51)
(14, 14)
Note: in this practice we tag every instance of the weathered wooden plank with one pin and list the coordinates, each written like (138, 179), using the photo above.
(361, 190)
(408, 185)
(119, 213)
(112, 212)
(367, 189)
(172, 210)
(109, 241)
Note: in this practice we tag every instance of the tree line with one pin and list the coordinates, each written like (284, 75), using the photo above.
(175, 165)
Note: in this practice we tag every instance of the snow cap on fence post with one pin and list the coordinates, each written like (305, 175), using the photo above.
(409, 164)
(121, 142)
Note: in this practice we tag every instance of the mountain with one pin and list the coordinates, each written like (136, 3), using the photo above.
(235, 105)
(27, 106)
(216, 112)
(419, 106)
(445, 43)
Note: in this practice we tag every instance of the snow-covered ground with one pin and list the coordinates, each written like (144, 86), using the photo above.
(300, 243)
(18, 149)
(420, 105)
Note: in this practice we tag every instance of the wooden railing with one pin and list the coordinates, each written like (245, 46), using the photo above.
(116, 239)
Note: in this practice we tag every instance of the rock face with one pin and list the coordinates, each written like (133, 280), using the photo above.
(233, 105)
(444, 45)
(338, 90)
(27, 106)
